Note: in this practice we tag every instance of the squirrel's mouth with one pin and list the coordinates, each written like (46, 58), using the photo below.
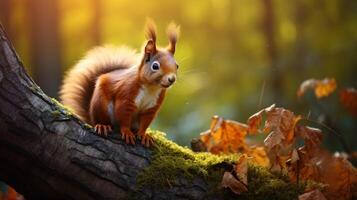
(165, 85)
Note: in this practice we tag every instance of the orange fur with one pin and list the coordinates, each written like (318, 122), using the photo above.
(117, 86)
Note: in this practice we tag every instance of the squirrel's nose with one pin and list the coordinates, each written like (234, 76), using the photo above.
(171, 79)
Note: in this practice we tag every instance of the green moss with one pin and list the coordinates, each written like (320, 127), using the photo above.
(170, 161)
(265, 185)
(66, 110)
(35, 88)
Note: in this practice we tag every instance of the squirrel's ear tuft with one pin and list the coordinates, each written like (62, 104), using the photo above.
(173, 32)
(150, 30)
(150, 47)
(150, 50)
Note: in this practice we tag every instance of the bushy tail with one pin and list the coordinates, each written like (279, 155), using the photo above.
(78, 85)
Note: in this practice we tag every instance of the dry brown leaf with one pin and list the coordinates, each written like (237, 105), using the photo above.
(322, 87)
(348, 98)
(305, 159)
(312, 136)
(280, 124)
(241, 169)
(312, 195)
(309, 162)
(336, 173)
(231, 182)
(254, 122)
(305, 168)
(340, 175)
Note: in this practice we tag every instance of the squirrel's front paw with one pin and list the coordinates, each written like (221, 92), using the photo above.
(146, 139)
(101, 129)
(128, 136)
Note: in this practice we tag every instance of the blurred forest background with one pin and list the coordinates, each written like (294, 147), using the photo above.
(235, 56)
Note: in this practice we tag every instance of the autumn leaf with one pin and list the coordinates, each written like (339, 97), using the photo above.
(254, 122)
(279, 124)
(304, 166)
(241, 169)
(312, 136)
(229, 181)
(306, 157)
(312, 195)
(348, 98)
(322, 88)
(225, 136)
(340, 176)
(258, 155)
(309, 162)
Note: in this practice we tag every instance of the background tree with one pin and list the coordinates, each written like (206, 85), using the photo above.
(43, 25)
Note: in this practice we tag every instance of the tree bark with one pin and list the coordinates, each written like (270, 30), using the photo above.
(46, 153)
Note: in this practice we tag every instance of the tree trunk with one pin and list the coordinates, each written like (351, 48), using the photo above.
(272, 53)
(47, 153)
(96, 27)
(6, 8)
(43, 24)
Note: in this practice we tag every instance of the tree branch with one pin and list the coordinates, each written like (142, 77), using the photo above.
(47, 153)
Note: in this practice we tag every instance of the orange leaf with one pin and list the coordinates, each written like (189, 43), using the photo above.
(325, 87)
(348, 98)
(340, 176)
(312, 195)
(258, 155)
(205, 137)
(322, 87)
(225, 136)
(254, 122)
(231, 182)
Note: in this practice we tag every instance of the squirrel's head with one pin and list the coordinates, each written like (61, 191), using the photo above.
(158, 66)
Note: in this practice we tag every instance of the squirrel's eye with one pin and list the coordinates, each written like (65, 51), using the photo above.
(155, 66)
(177, 66)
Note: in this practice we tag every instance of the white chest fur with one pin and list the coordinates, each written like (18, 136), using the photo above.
(147, 98)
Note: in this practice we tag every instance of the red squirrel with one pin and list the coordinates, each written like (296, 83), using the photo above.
(118, 86)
